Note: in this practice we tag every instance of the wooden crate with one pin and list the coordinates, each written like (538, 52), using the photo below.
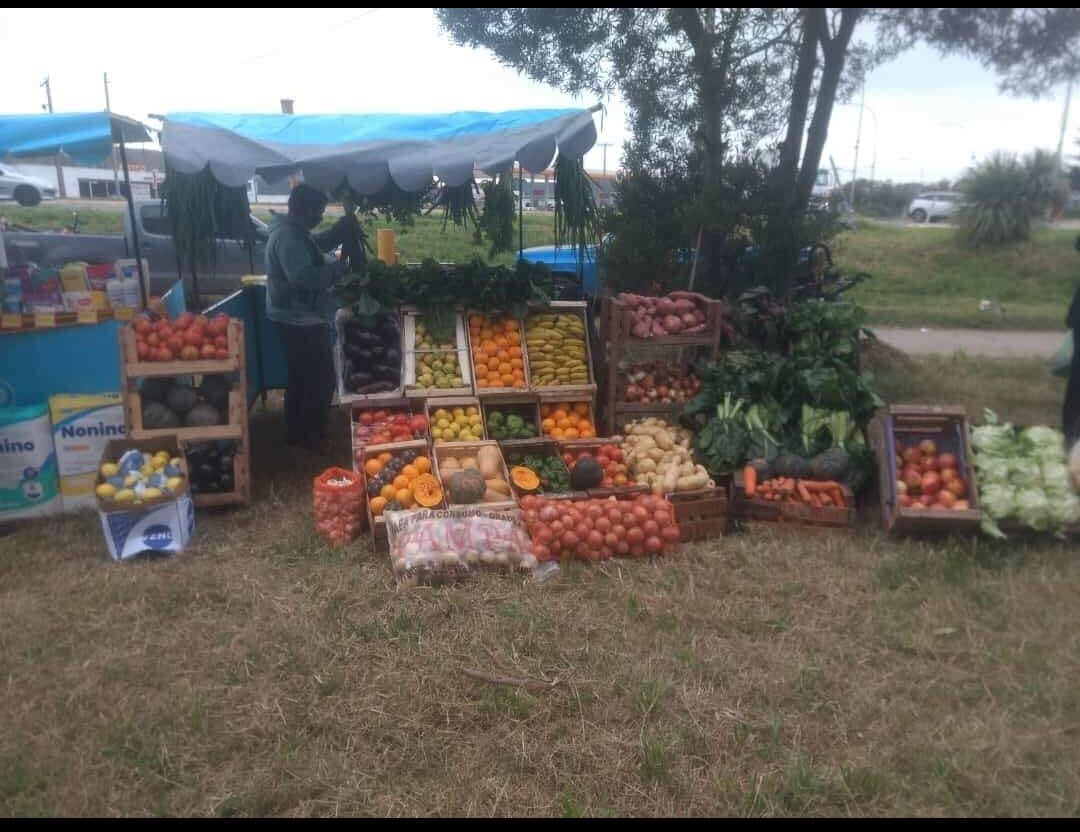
(551, 400)
(539, 447)
(461, 347)
(499, 389)
(115, 448)
(449, 403)
(948, 427)
(241, 493)
(236, 428)
(526, 405)
(580, 310)
(132, 367)
(377, 525)
(342, 394)
(701, 514)
(617, 325)
(793, 514)
(460, 449)
(401, 404)
(614, 411)
(591, 446)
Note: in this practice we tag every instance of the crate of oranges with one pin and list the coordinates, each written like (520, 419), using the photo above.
(561, 420)
(498, 360)
(398, 477)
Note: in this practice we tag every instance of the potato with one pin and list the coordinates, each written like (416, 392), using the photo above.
(663, 440)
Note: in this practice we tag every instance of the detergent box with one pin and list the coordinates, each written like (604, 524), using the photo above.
(82, 426)
(28, 481)
(161, 525)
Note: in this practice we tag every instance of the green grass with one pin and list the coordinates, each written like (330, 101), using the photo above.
(54, 218)
(926, 277)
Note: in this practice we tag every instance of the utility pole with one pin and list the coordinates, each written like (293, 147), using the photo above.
(858, 137)
(1064, 121)
(59, 168)
(604, 146)
(112, 153)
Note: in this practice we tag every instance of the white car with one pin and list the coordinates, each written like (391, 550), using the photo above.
(935, 205)
(25, 190)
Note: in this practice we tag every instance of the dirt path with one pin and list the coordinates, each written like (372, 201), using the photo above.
(990, 343)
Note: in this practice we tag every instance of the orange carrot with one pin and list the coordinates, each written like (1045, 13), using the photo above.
(804, 493)
(749, 476)
(812, 485)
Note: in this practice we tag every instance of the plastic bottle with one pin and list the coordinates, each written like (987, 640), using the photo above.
(131, 291)
(114, 291)
(13, 297)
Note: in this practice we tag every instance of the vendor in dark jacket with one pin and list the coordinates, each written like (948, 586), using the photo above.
(301, 305)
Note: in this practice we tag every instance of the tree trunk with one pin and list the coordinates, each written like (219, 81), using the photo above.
(787, 169)
(835, 52)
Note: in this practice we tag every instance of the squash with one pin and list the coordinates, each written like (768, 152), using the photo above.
(586, 473)
(450, 464)
(156, 416)
(467, 462)
(466, 487)
(498, 484)
(489, 461)
(203, 415)
(524, 478)
(426, 491)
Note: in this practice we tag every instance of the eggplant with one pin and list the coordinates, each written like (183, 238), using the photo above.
(226, 482)
(389, 326)
(362, 337)
(392, 356)
(360, 378)
(361, 355)
(386, 371)
(378, 351)
(376, 387)
(226, 463)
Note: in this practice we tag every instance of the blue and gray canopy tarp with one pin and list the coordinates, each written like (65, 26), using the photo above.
(370, 151)
(85, 138)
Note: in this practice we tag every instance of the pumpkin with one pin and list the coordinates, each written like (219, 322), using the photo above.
(426, 491)
(524, 478)
(466, 487)
(498, 484)
(586, 473)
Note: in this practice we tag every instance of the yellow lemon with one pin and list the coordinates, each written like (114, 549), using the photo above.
(174, 483)
(105, 491)
(109, 469)
(125, 495)
(151, 493)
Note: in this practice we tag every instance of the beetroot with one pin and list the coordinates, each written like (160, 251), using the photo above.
(641, 329)
(683, 305)
(673, 324)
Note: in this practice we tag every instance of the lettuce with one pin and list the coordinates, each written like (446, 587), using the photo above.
(1043, 443)
(1033, 508)
(998, 500)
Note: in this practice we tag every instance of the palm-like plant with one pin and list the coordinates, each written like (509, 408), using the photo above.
(1002, 195)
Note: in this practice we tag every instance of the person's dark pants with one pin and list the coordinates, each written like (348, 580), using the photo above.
(311, 380)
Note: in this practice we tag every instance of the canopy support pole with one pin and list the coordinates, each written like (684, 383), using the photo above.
(134, 226)
(521, 222)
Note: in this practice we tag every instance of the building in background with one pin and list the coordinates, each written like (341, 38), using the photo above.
(145, 166)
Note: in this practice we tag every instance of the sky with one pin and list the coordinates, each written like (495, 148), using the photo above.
(933, 115)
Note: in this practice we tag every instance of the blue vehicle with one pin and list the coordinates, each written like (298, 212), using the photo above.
(563, 262)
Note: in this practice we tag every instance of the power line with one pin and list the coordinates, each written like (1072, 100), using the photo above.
(331, 27)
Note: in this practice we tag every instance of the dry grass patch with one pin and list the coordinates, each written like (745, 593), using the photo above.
(263, 673)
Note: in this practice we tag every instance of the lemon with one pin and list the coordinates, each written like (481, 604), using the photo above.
(125, 495)
(174, 484)
(443, 423)
(472, 411)
(436, 433)
(146, 470)
(105, 491)
(151, 493)
(109, 469)
(130, 480)
(175, 461)
(474, 419)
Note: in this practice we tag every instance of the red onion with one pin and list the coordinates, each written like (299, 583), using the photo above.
(683, 305)
(673, 324)
(688, 319)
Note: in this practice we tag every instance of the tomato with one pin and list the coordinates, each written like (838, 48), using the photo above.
(143, 327)
(635, 536)
(153, 339)
(189, 353)
(184, 320)
(636, 550)
(653, 544)
(641, 514)
(622, 548)
(164, 354)
(650, 528)
(927, 447)
(143, 350)
(218, 326)
(221, 342)
(176, 343)
(961, 505)
(556, 547)
(931, 483)
(365, 417)
(602, 524)
(208, 351)
(957, 486)
(541, 552)
(221, 355)
(929, 463)
(619, 530)
(611, 540)
(595, 540)
(663, 518)
(161, 325)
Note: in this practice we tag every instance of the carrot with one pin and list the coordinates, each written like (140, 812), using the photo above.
(749, 476)
(812, 485)
(804, 493)
(824, 499)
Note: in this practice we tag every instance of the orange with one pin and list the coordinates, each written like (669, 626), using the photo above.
(490, 347)
(400, 482)
(423, 464)
(545, 409)
(372, 467)
(588, 433)
(505, 367)
(563, 423)
(515, 352)
(581, 408)
(514, 337)
(559, 413)
(573, 419)
(556, 433)
(547, 425)
(404, 496)
(410, 472)
(476, 321)
(511, 325)
(500, 341)
(377, 506)
(486, 333)
(519, 382)
(508, 379)
(493, 364)
(385, 457)
(388, 492)
(518, 374)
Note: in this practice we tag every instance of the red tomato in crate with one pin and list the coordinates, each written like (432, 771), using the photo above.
(221, 355)
(208, 352)
(143, 350)
(184, 320)
(194, 338)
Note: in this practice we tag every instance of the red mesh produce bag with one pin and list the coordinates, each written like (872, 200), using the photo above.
(339, 505)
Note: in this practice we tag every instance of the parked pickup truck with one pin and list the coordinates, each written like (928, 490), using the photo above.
(54, 248)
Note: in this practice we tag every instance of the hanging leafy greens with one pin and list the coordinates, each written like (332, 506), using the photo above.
(201, 210)
(497, 219)
(577, 219)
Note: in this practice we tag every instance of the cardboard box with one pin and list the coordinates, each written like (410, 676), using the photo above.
(165, 524)
(82, 426)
